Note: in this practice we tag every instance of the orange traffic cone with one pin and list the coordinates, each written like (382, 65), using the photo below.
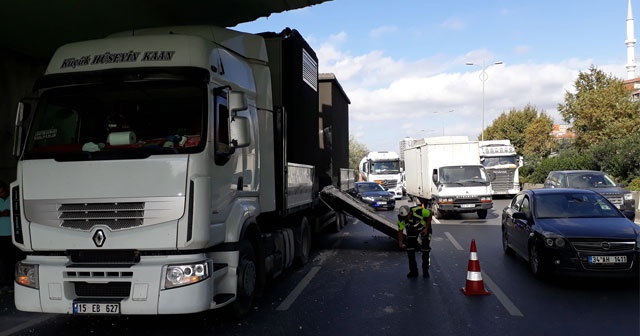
(475, 285)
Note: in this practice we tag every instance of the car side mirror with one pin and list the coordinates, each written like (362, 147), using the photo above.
(520, 215)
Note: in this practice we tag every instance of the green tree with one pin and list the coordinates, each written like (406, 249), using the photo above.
(357, 151)
(514, 124)
(538, 138)
(601, 108)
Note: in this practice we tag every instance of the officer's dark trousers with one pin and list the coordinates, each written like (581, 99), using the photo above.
(413, 246)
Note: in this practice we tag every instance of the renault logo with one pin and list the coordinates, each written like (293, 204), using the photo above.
(605, 246)
(99, 238)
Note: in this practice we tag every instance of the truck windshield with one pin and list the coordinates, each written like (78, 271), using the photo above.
(385, 167)
(127, 120)
(463, 174)
(493, 161)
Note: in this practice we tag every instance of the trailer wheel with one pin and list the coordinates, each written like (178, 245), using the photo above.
(302, 242)
(247, 273)
(482, 214)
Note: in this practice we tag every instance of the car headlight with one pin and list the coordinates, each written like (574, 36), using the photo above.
(554, 240)
(628, 196)
(27, 275)
(368, 198)
(182, 275)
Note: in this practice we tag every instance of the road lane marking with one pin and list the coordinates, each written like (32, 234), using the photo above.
(28, 324)
(453, 241)
(288, 301)
(502, 297)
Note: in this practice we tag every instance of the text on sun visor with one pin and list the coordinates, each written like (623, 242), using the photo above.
(126, 57)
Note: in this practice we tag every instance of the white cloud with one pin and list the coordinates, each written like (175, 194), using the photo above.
(453, 23)
(393, 98)
(377, 32)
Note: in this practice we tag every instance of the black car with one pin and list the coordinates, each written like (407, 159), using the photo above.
(374, 195)
(593, 180)
(571, 231)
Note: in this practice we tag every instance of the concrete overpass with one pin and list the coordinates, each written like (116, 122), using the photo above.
(33, 29)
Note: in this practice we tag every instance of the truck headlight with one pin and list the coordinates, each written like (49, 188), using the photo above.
(182, 275)
(27, 275)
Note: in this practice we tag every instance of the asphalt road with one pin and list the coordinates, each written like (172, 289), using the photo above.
(355, 284)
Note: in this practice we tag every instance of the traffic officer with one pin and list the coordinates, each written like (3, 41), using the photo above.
(417, 223)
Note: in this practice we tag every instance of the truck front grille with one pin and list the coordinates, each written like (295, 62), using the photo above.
(504, 180)
(116, 216)
(108, 290)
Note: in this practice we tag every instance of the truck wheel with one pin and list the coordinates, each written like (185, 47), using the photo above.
(302, 243)
(482, 214)
(435, 212)
(247, 273)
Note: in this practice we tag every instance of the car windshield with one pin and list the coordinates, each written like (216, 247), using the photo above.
(573, 205)
(118, 121)
(368, 187)
(589, 180)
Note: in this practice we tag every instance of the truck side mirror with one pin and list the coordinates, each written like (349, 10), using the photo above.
(239, 134)
(434, 176)
(22, 114)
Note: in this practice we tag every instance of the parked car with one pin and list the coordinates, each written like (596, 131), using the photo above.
(571, 231)
(374, 195)
(592, 180)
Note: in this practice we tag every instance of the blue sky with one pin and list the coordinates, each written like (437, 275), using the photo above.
(402, 63)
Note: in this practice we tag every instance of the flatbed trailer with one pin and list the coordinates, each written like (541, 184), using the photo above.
(342, 201)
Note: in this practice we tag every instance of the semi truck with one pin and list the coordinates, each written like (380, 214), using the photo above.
(445, 175)
(168, 170)
(500, 158)
(383, 167)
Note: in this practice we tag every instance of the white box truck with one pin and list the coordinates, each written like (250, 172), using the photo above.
(445, 174)
(383, 167)
(167, 171)
(500, 158)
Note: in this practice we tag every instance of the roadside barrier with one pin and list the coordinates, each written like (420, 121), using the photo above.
(474, 285)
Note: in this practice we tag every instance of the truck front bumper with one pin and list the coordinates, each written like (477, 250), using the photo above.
(61, 285)
(465, 207)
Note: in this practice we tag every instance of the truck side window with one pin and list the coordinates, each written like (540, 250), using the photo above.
(222, 144)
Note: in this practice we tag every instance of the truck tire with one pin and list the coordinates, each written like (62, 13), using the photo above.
(482, 214)
(302, 243)
(435, 212)
(247, 273)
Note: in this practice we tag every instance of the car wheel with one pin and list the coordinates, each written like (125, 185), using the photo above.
(391, 208)
(536, 264)
(247, 273)
(482, 214)
(505, 243)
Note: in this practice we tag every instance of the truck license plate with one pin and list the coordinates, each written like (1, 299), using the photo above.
(607, 259)
(96, 308)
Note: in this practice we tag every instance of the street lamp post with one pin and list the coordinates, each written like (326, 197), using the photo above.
(443, 115)
(483, 77)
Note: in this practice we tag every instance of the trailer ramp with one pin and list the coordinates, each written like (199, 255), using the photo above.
(342, 201)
